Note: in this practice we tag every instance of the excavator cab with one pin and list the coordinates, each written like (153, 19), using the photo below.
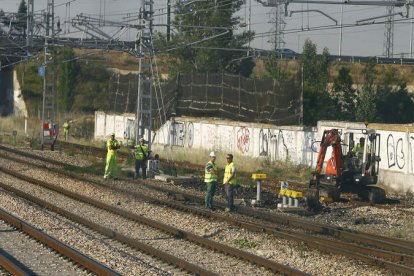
(352, 167)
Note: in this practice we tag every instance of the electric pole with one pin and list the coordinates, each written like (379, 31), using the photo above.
(389, 33)
(145, 72)
(49, 100)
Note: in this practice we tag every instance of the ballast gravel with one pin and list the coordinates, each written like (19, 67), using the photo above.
(88, 242)
(289, 253)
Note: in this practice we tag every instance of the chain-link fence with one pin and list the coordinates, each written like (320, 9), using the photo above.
(214, 95)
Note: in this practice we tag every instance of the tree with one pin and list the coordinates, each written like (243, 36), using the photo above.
(204, 32)
(366, 106)
(92, 88)
(66, 80)
(344, 95)
(273, 68)
(394, 104)
(317, 104)
(21, 24)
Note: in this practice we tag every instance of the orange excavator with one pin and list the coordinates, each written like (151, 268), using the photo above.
(352, 172)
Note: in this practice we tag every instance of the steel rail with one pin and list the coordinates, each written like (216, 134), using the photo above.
(382, 242)
(322, 244)
(338, 232)
(56, 245)
(178, 233)
(13, 266)
(168, 258)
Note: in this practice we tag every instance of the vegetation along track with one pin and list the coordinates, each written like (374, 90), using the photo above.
(14, 265)
(176, 233)
(394, 254)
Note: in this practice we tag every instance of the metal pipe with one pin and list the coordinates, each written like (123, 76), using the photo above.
(340, 32)
(258, 193)
(314, 10)
(380, 16)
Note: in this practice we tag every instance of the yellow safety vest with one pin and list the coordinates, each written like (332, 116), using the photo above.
(208, 176)
(113, 143)
(141, 154)
(227, 173)
(359, 150)
(66, 126)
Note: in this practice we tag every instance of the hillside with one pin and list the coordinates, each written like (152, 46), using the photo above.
(124, 61)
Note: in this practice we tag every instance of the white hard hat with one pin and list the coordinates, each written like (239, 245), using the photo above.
(112, 134)
(212, 154)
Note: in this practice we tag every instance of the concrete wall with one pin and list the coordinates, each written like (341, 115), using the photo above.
(19, 104)
(293, 143)
(121, 125)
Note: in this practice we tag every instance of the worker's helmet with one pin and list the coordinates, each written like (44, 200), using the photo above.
(112, 134)
(212, 154)
(142, 139)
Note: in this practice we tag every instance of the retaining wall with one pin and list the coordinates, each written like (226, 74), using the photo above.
(287, 143)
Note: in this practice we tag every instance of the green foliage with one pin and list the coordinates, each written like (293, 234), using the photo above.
(21, 20)
(392, 95)
(344, 95)
(204, 29)
(244, 243)
(366, 108)
(92, 82)
(273, 69)
(67, 71)
(80, 86)
(317, 104)
(31, 86)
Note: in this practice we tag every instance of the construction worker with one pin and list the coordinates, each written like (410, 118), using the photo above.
(358, 150)
(210, 178)
(66, 127)
(113, 145)
(141, 157)
(229, 182)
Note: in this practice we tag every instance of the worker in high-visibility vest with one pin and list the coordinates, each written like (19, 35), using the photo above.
(141, 157)
(111, 157)
(210, 178)
(229, 182)
(358, 150)
(66, 127)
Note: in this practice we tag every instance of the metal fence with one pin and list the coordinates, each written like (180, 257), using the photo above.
(217, 95)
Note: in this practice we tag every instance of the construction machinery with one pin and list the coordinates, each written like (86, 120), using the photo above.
(354, 172)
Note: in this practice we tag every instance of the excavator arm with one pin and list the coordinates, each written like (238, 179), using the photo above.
(330, 138)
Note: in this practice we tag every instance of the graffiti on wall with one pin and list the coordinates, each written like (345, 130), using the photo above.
(272, 144)
(182, 134)
(395, 152)
(309, 150)
(243, 139)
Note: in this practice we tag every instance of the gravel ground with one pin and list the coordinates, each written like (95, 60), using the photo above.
(90, 243)
(289, 253)
(216, 262)
(34, 255)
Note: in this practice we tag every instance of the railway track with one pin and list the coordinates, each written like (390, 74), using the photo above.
(174, 232)
(271, 188)
(393, 254)
(22, 252)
